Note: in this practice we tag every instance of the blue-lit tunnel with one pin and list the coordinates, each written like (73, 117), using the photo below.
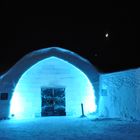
(52, 72)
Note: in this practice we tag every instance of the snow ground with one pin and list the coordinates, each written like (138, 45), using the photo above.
(68, 128)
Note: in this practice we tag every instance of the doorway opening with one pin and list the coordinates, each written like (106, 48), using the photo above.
(53, 101)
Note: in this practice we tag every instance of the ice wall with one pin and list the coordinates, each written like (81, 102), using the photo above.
(52, 72)
(9, 80)
(120, 95)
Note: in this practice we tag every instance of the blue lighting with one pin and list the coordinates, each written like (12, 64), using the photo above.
(52, 72)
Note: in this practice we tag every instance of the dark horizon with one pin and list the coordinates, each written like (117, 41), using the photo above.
(84, 35)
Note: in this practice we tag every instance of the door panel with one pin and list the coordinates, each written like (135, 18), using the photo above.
(53, 101)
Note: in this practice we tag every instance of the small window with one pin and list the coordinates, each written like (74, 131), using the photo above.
(4, 96)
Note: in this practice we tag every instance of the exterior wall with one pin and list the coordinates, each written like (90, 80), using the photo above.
(4, 109)
(52, 72)
(9, 80)
(120, 95)
(5, 104)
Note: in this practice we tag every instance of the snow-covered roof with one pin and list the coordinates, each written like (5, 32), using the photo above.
(15, 72)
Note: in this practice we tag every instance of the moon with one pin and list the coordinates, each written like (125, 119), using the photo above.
(106, 35)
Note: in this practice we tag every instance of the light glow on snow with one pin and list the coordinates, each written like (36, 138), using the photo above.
(16, 104)
(52, 72)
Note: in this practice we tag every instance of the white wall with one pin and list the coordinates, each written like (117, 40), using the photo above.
(120, 94)
(52, 72)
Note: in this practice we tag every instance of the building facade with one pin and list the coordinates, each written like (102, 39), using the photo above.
(57, 82)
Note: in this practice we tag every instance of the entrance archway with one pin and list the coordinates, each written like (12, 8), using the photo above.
(52, 73)
(10, 79)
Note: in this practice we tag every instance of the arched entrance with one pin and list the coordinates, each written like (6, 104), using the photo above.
(52, 87)
(10, 80)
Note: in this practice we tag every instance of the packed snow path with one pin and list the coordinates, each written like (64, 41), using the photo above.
(68, 128)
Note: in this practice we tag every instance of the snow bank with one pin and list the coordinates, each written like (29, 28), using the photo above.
(68, 128)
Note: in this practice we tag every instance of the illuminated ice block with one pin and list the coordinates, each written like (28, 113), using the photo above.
(52, 72)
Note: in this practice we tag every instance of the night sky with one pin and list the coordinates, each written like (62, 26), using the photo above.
(82, 33)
